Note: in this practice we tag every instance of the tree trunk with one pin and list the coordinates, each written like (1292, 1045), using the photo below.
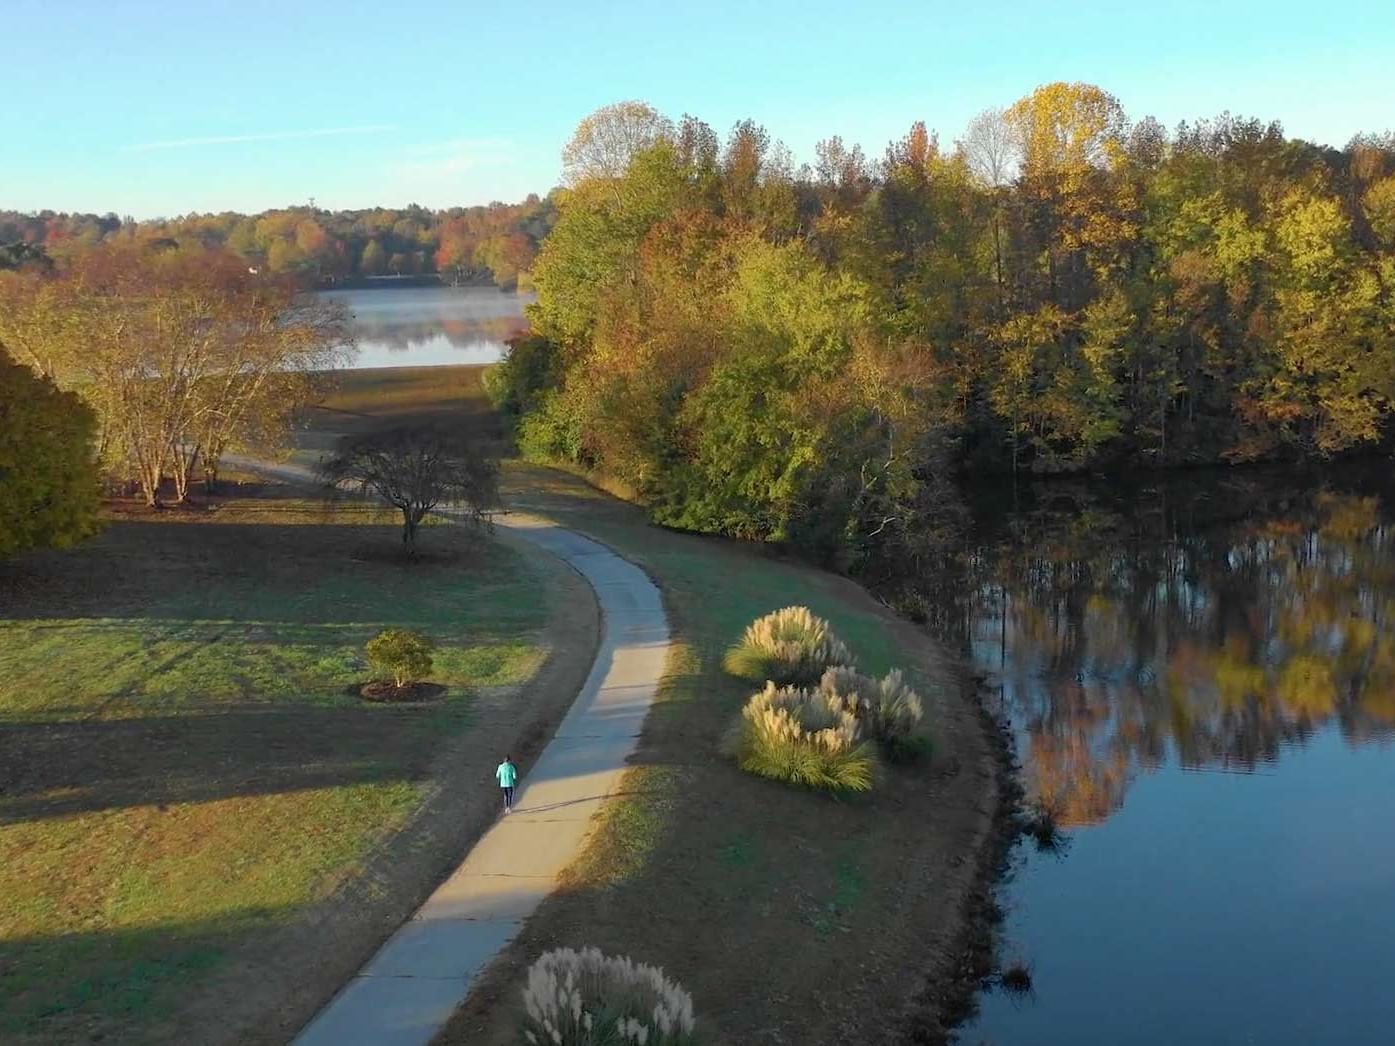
(184, 462)
(409, 531)
(150, 484)
(998, 251)
(212, 458)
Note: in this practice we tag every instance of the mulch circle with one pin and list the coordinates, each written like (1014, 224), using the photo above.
(387, 693)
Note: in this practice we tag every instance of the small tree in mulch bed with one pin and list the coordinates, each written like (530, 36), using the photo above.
(400, 659)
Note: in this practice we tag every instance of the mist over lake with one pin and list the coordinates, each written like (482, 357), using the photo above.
(431, 326)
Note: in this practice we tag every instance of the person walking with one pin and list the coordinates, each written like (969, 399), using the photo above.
(508, 777)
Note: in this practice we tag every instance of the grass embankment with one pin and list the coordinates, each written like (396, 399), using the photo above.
(791, 917)
(185, 783)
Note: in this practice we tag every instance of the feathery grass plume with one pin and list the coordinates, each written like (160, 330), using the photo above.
(899, 708)
(791, 647)
(887, 709)
(857, 693)
(803, 737)
(586, 998)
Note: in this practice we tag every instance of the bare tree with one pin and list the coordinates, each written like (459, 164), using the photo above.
(605, 142)
(417, 469)
(990, 148)
(992, 151)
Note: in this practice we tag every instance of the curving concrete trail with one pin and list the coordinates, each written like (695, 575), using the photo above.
(410, 988)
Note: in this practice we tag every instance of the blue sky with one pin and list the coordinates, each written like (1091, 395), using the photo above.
(149, 108)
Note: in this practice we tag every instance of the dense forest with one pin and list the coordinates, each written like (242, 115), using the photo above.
(820, 355)
(463, 244)
(816, 355)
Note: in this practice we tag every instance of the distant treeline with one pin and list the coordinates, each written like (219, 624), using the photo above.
(462, 244)
(813, 355)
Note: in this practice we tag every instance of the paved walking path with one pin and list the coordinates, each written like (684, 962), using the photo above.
(407, 992)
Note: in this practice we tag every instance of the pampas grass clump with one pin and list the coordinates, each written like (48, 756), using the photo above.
(585, 998)
(790, 647)
(887, 708)
(898, 709)
(803, 737)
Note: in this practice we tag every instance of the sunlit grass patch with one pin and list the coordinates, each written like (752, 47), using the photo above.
(185, 765)
(631, 827)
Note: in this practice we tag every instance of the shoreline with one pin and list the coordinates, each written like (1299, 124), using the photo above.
(942, 1009)
(949, 992)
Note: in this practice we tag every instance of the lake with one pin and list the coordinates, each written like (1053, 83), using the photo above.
(431, 326)
(1200, 679)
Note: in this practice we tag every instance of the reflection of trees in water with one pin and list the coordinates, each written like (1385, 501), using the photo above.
(1124, 637)
(400, 336)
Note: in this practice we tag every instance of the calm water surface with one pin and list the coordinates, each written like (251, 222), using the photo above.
(1201, 680)
(431, 326)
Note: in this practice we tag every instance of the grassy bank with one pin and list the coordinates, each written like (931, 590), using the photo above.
(790, 917)
(185, 775)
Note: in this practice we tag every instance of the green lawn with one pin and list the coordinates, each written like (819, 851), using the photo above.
(181, 765)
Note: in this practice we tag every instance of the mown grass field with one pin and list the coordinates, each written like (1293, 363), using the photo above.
(182, 766)
(790, 916)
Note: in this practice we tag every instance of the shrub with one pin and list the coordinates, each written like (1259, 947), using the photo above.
(400, 654)
(519, 381)
(48, 475)
(551, 431)
(790, 647)
(887, 709)
(585, 998)
(803, 737)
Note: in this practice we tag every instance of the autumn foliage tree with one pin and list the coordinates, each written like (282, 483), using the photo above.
(48, 468)
(309, 245)
(180, 353)
(811, 355)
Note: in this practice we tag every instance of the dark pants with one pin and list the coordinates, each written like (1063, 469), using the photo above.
(508, 795)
